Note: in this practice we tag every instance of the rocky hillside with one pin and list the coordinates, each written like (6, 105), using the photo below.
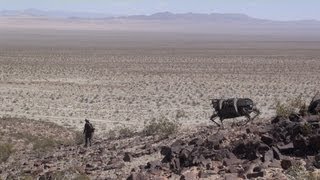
(282, 148)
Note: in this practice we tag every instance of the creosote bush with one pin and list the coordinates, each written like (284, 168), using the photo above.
(70, 173)
(5, 151)
(291, 106)
(162, 126)
(120, 132)
(112, 134)
(298, 171)
(78, 138)
(181, 114)
(125, 132)
(44, 144)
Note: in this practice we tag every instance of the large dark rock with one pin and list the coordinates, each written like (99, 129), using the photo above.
(276, 153)
(316, 162)
(300, 142)
(167, 153)
(315, 143)
(286, 163)
(295, 118)
(287, 149)
(267, 139)
(255, 175)
(246, 150)
(263, 148)
(127, 157)
(137, 176)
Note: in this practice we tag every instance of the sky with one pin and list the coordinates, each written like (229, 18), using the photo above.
(265, 9)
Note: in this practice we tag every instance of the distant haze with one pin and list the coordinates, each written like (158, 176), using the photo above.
(263, 9)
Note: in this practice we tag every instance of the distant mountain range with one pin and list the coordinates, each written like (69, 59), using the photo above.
(51, 14)
(192, 17)
(161, 16)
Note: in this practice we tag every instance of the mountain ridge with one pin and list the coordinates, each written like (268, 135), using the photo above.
(162, 16)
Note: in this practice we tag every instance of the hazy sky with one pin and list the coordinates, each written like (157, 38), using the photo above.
(269, 9)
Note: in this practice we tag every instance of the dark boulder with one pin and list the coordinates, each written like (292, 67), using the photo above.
(286, 164)
(127, 157)
(316, 162)
(267, 139)
(255, 175)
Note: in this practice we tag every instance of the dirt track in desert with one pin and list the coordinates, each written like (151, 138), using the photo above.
(125, 78)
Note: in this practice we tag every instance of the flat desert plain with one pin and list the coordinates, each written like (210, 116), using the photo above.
(124, 78)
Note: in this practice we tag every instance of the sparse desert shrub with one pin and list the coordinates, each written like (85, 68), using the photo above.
(125, 132)
(28, 177)
(298, 171)
(181, 114)
(163, 127)
(81, 177)
(282, 110)
(5, 152)
(112, 134)
(120, 132)
(70, 173)
(296, 105)
(313, 175)
(44, 144)
(306, 129)
(78, 138)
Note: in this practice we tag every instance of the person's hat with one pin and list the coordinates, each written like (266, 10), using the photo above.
(86, 120)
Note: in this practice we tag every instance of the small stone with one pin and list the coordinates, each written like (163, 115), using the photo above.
(190, 174)
(136, 176)
(316, 162)
(255, 175)
(275, 164)
(268, 156)
(231, 176)
(267, 139)
(276, 153)
(286, 148)
(286, 164)
(127, 157)
(257, 169)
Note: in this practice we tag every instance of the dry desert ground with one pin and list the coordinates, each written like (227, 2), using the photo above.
(122, 74)
(124, 78)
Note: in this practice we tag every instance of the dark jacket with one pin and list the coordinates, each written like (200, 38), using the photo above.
(88, 128)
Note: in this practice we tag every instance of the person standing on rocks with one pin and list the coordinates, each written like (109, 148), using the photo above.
(88, 132)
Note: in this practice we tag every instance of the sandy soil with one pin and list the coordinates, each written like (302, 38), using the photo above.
(121, 78)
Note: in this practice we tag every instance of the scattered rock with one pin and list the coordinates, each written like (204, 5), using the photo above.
(191, 174)
(267, 139)
(231, 176)
(127, 157)
(287, 149)
(317, 161)
(255, 175)
(137, 176)
(286, 164)
(268, 156)
(275, 164)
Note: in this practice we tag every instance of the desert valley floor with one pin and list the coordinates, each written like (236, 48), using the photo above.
(126, 78)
